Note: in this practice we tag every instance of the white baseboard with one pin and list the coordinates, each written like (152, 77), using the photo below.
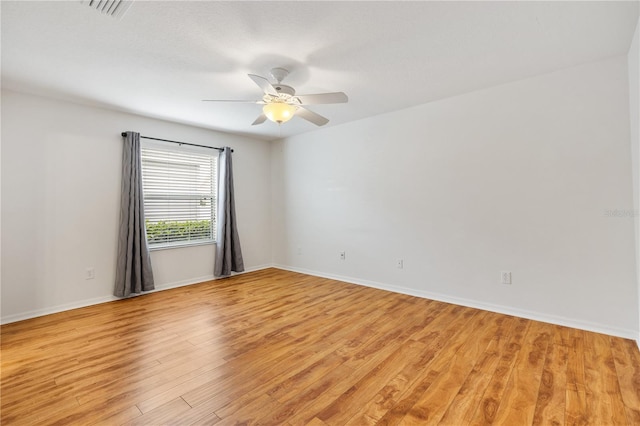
(55, 309)
(104, 299)
(536, 316)
(507, 310)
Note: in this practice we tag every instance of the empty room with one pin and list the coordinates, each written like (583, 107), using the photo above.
(320, 213)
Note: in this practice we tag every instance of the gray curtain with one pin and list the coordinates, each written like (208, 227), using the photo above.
(133, 270)
(228, 253)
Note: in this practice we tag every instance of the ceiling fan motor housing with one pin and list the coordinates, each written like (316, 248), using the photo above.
(284, 89)
(279, 74)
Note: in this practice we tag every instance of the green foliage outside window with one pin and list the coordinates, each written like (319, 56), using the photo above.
(162, 232)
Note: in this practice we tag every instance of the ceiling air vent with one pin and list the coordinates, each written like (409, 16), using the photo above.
(114, 8)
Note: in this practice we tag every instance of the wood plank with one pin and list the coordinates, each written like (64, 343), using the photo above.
(486, 411)
(371, 346)
(247, 414)
(365, 359)
(450, 333)
(163, 414)
(602, 388)
(517, 405)
(627, 363)
(465, 404)
(362, 391)
(550, 405)
(576, 395)
(316, 422)
(390, 396)
(302, 408)
(121, 417)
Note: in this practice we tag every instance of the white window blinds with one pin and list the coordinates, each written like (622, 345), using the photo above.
(179, 196)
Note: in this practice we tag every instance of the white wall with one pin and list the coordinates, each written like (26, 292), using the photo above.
(633, 59)
(517, 177)
(61, 165)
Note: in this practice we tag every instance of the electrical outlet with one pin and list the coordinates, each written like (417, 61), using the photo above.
(505, 277)
(89, 273)
(343, 255)
(400, 263)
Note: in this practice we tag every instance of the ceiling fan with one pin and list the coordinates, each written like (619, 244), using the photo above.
(281, 102)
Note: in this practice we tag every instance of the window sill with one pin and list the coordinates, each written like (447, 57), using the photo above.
(181, 245)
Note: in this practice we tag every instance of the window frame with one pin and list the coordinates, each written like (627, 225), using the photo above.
(184, 149)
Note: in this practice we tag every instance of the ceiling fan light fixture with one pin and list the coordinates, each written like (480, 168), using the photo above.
(281, 102)
(279, 112)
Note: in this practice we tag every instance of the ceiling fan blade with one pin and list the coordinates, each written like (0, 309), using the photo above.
(311, 116)
(323, 98)
(264, 84)
(261, 119)
(232, 100)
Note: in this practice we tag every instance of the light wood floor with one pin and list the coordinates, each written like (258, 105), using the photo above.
(280, 348)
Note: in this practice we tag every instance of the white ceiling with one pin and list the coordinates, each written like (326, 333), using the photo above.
(163, 57)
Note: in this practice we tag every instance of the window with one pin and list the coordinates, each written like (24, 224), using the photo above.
(180, 192)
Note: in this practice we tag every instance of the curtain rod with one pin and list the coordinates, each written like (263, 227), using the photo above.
(179, 143)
